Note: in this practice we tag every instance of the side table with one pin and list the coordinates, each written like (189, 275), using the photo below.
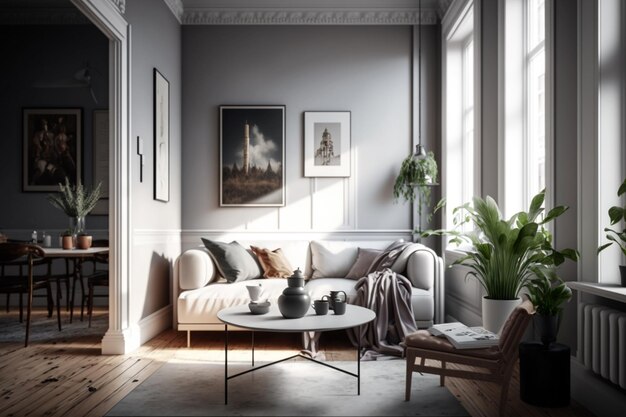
(544, 374)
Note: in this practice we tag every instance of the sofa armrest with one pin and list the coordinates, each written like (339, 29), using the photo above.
(425, 271)
(195, 269)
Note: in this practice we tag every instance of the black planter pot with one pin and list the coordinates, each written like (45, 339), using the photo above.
(622, 272)
(548, 327)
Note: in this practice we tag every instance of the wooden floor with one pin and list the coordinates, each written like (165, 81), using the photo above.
(69, 377)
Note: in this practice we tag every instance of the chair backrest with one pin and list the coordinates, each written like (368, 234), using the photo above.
(514, 329)
(10, 252)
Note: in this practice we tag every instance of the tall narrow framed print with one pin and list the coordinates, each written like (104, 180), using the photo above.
(53, 140)
(327, 143)
(252, 156)
(161, 137)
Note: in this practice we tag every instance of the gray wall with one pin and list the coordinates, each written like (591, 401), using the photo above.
(155, 43)
(34, 54)
(364, 69)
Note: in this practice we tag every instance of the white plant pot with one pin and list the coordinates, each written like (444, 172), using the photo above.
(495, 312)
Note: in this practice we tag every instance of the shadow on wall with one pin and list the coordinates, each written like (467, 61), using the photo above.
(159, 284)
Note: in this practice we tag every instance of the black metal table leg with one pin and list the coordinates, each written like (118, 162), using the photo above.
(358, 366)
(253, 348)
(226, 364)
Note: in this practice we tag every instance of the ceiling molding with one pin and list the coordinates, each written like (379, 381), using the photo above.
(120, 4)
(177, 9)
(309, 16)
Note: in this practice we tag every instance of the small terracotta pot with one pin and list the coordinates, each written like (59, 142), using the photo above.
(67, 242)
(83, 242)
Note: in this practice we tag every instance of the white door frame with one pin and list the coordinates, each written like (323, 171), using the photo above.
(121, 337)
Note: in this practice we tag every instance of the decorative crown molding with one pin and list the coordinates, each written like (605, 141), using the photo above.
(120, 4)
(177, 8)
(308, 17)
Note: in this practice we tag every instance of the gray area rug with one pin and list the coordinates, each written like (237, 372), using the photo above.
(296, 388)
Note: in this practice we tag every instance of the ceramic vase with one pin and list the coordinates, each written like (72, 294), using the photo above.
(547, 326)
(83, 241)
(294, 302)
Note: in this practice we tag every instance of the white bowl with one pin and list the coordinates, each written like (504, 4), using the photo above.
(259, 308)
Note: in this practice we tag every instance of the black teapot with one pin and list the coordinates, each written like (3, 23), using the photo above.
(294, 302)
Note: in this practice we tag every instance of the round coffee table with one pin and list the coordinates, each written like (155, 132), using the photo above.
(273, 321)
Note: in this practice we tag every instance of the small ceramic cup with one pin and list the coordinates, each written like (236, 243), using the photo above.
(340, 307)
(320, 307)
(254, 291)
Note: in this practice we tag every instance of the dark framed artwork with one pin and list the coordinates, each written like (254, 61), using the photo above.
(52, 147)
(327, 143)
(161, 137)
(252, 156)
(100, 122)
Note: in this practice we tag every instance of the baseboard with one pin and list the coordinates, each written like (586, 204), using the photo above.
(155, 324)
(596, 394)
(121, 342)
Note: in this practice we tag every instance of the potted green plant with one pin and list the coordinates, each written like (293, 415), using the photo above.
(76, 201)
(617, 214)
(548, 292)
(505, 254)
(414, 181)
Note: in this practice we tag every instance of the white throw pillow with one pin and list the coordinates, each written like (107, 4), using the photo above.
(332, 259)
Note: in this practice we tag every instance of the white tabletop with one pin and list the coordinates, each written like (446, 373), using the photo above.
(273, 321)
(72, 253)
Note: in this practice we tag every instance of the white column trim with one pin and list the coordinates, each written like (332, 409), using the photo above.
(120, 338)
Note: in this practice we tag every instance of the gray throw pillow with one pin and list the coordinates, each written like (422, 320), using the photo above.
(364, 259)
(233, 261)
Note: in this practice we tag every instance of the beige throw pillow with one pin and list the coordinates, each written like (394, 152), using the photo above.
(274, 263)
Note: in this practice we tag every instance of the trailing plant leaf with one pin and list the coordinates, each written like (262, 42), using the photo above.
(616, 215)
(75, 201)
(414, 182)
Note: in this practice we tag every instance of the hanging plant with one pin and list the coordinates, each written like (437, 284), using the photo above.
(415, 180)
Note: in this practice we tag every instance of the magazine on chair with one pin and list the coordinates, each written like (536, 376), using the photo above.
(464, 337)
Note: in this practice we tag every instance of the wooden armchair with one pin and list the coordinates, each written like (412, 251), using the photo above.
(17, 257)
(495, 363)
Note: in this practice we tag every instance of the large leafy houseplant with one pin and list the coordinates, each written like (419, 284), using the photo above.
(617, 214)
(414, 181)
(505, 255)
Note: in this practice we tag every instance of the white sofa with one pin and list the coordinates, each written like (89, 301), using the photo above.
(199, 293)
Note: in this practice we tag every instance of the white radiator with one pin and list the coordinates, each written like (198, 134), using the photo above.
(604, 342)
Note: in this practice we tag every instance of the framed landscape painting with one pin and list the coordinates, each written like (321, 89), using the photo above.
(327, 143)
(252, 156)
(52, 148)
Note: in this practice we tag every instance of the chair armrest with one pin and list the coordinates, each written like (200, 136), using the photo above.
(425, 270)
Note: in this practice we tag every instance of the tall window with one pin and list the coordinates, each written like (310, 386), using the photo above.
(525, 138)
(536, 98)
(468, 121)
(460, 128)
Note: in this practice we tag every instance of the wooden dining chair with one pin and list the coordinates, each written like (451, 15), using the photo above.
(15, 258)
(493, 364)
(98, 278)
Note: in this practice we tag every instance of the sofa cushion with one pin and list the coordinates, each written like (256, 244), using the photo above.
(362, 264)
(331, 259)
(274, 263)
(200, 306)
(233, 261)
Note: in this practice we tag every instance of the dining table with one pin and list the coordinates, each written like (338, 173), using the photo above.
(78, 256)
